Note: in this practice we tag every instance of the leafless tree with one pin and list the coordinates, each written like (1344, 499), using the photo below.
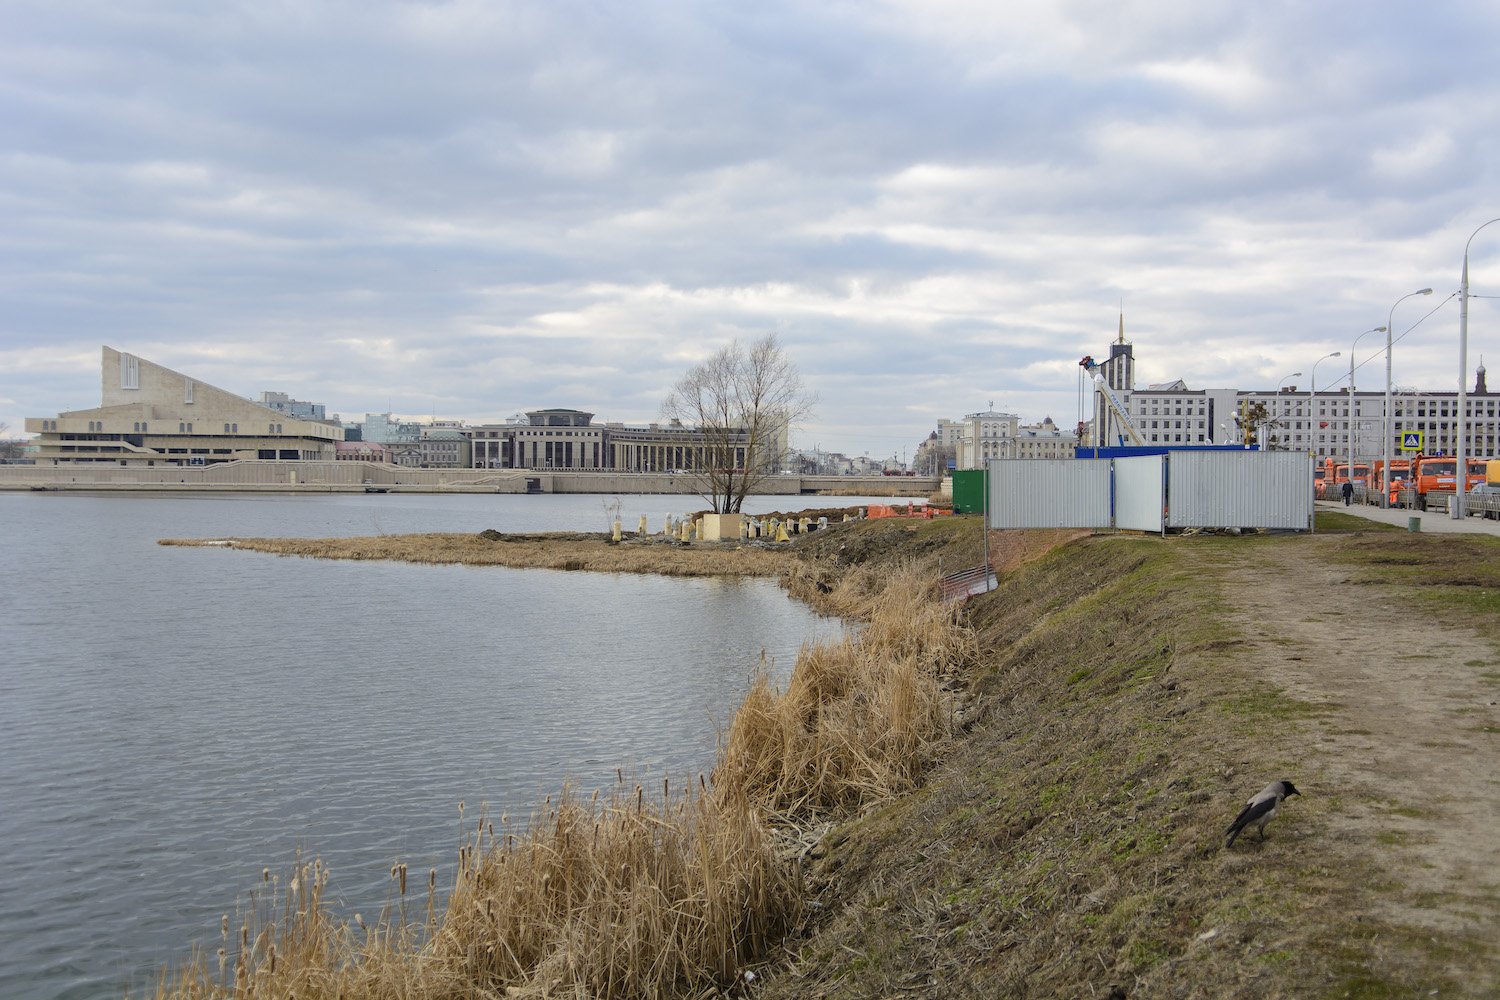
(741, 403)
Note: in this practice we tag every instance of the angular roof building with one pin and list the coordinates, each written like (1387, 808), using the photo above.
(150, 415)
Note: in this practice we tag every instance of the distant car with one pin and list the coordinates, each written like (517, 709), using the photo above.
(1485, 499)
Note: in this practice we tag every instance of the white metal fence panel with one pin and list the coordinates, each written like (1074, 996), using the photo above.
(1139, 494)
(1239, 489)
(1049, 493)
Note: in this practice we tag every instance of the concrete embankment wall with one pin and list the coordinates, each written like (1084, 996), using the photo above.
(359, 477)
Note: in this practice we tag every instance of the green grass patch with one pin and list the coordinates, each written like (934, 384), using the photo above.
(1338, 522)
(1266, 701)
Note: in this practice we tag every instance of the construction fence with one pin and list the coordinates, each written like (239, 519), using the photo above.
(1181, 489)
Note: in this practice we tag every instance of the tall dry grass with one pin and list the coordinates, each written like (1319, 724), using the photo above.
(627, 893)
(619, 897)
(861, 716)
(624, 895)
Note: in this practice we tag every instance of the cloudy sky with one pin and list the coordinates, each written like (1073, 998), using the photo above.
(467, 209)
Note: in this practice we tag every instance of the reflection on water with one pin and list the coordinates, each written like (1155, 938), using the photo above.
(174, 719)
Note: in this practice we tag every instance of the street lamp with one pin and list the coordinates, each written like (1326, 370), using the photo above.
(1378, 329)
(1312, 395)
(1284, 379)
(1461, 484)
(1387, 422)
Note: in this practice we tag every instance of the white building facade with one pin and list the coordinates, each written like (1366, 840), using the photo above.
(985, 436)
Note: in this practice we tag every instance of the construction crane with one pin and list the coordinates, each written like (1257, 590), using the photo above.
(1103, 391)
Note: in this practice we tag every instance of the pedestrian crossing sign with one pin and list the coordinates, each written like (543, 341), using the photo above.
(1411, 440)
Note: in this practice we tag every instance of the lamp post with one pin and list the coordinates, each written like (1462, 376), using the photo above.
(1388, 421)
(1352, 347)
(1277, 399)
(1461, 484)
(1312, 395)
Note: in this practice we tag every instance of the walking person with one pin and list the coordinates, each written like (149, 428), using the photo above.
(1348, 491)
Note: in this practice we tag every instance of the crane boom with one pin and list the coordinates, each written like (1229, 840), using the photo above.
(1102, 389)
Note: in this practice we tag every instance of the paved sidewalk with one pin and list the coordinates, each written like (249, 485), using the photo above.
(1431, 521)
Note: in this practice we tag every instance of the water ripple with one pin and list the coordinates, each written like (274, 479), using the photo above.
(175, 719)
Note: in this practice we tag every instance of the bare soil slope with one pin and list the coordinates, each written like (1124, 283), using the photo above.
(1408, 733)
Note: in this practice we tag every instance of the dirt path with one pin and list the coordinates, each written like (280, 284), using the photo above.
(1402, 743)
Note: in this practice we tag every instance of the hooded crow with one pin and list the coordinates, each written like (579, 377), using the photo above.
(1260, 809)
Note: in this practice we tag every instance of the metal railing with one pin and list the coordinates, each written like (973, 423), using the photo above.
(966, 583)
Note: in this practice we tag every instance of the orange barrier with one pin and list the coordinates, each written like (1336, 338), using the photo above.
(908, 510)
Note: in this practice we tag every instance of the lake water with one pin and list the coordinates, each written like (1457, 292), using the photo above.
(174, 719)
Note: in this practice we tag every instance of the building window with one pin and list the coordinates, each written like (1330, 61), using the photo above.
(130, 372)
(188, 391)
(226, 428)
(181, 428)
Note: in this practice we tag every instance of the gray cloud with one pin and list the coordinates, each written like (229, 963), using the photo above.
(470, 208)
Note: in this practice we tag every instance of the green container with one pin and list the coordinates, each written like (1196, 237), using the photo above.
(968, 491)
(1413, 524)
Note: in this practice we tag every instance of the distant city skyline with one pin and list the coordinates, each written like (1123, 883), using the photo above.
(465, 210)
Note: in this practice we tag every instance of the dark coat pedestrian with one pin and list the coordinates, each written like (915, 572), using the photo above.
(1348, 491)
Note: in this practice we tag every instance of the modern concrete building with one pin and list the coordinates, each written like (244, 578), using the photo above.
(569, 439)
(282, 403)
(1119, 369)
(1327, 424)
(150, 415)
(384, 428)
(549, 439)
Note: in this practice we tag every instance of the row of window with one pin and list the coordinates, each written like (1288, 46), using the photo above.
(140, 427)
(1167, 411)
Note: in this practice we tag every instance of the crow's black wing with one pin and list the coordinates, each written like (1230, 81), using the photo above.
(1257, 808)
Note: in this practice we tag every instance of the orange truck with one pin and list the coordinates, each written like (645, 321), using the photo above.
(1436, 474)
(1330, 478)
(1361, 473)
(1400, 472)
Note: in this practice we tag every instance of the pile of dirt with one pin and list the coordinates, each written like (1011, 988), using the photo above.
(1134, 692)
(954, 540)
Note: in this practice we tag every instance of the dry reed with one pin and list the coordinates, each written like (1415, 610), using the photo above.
(860, 716)
(623, 897)
(628, 895)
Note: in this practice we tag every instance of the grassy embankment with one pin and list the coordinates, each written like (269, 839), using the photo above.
(630, 892)
(1070, 846)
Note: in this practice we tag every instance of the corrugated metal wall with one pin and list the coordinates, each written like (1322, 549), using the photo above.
(1245, 489)
(1049, 493)
(1200, 489)
(1139, 493)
